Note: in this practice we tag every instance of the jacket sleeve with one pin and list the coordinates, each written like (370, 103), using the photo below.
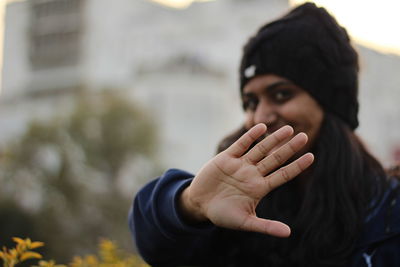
(160, 234)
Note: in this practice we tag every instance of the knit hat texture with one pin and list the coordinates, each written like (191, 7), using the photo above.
(308, 47)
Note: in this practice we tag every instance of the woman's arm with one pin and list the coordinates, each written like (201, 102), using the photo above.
(162, 237)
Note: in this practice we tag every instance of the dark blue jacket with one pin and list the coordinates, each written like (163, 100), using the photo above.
(164, 239)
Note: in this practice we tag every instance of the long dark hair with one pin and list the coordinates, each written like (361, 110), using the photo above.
(327, 215)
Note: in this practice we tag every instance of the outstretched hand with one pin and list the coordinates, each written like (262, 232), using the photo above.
(229, 187)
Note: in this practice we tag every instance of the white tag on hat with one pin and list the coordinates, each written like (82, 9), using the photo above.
(250, 71)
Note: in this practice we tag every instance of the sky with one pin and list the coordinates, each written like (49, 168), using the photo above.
(370, 22)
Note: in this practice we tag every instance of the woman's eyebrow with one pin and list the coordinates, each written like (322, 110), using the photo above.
(275, 85)
(268, 88)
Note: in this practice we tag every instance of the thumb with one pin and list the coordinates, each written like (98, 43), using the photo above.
(264, 226)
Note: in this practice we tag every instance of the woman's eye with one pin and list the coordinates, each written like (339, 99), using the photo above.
(282, 95)
(250, 104)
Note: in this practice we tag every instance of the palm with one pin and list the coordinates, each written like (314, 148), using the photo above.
(229, 188)
(242, 190)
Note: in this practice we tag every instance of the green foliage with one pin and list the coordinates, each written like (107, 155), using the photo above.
(73, 177)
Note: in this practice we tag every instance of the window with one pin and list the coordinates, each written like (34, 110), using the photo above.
(55, 33)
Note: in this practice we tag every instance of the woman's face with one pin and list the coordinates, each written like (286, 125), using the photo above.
(275, 101)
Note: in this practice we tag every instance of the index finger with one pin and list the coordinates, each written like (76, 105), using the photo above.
(238, 148)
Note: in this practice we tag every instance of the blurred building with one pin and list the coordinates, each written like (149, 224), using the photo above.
(181, 65)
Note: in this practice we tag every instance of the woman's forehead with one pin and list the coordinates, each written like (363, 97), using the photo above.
(266, 82)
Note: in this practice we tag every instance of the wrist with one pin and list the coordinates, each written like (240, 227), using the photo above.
(191, 213)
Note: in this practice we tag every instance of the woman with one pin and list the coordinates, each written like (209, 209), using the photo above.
(299, 82)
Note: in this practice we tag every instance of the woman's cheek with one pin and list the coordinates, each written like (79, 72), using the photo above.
(249, 120)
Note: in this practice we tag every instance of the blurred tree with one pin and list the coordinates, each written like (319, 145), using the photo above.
(70, 181)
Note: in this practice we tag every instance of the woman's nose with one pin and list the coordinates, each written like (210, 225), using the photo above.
(265, 113)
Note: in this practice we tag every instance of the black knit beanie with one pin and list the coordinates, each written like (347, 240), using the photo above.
(308, 47)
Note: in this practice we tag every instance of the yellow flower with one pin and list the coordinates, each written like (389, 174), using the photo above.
(49, 264)
(36, 244)
(19, 241)
(109, 255)
(91, 260)
(12, 254)
(27, 243)
(30, 255)
(76, 262)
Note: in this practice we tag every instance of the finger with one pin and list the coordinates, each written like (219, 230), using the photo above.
(262, 149)
(244, 142)
(288, 172)
(280, 156)
(264, 226)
